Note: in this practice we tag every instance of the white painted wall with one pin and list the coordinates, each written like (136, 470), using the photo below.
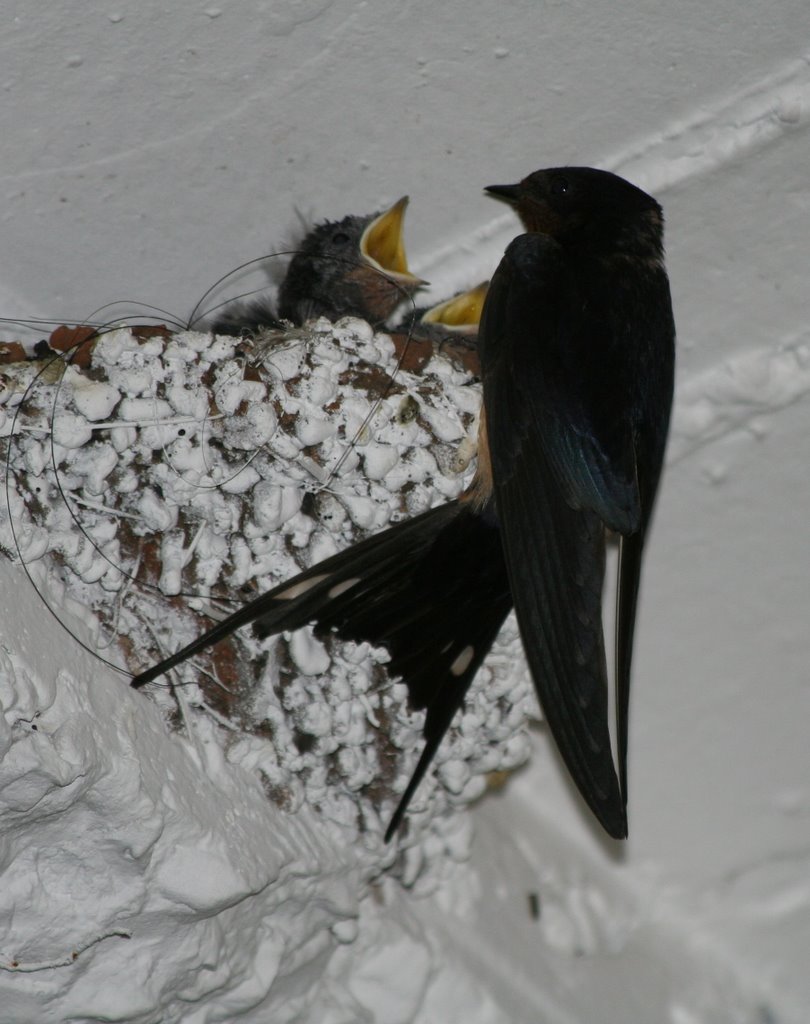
(147, 149)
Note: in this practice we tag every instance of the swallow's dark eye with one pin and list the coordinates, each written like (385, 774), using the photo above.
(559, 185)
(340, 238)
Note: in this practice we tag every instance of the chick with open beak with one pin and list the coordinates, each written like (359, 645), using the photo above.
(352, 267)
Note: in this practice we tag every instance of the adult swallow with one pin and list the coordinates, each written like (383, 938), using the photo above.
(576, 343)
(578, 356)
(352, 267)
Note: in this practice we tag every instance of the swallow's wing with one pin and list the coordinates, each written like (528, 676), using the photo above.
(563, 468)
(432, 590)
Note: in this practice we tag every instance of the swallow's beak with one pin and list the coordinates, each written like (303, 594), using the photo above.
(508, 193)
(462, 313)
(383, 246)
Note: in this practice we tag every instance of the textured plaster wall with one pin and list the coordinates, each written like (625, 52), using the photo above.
(146, 150)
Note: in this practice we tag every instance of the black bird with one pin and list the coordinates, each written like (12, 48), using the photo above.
(576, 344)
(352, 267)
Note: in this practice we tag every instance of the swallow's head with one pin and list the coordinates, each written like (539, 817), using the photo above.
(580, 204)
(352, 267)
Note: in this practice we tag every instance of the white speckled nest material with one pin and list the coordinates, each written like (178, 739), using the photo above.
(171, 475)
